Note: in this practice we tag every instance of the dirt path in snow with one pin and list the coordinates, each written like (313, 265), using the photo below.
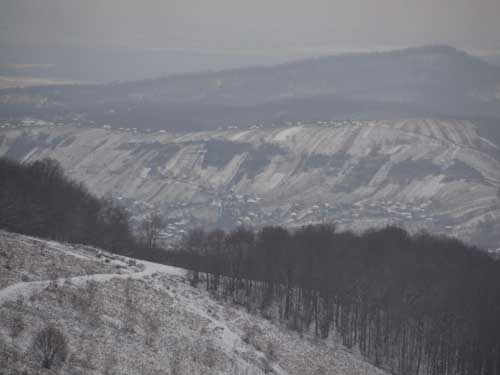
(27, 289)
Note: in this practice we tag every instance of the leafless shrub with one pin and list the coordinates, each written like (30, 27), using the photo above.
(271, 351)
(267, 368)
(50, 347)
(250, 333)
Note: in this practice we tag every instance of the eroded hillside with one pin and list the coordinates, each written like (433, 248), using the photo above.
(423, 174)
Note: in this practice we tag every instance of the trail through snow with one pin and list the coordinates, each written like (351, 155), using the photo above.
(199, 319)
(229, 338)
(27, 289)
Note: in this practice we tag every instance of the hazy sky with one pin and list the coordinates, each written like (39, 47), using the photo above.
(273, 26)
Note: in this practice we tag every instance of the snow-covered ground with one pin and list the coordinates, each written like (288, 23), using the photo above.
(197, 176)
(135, 317)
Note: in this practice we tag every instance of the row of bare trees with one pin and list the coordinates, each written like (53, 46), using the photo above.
(414, 304)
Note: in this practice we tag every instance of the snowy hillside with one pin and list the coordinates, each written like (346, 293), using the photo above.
(122, 316)
(437, 175)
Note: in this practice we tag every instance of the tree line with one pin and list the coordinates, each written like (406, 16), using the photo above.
(38, 199)
(414, 304)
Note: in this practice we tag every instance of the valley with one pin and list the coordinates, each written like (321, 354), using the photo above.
(422, 174)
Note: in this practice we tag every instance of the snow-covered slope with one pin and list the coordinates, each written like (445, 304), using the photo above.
(422, 174)
(122, 316)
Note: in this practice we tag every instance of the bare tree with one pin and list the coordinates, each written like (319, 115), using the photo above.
(150, 228)
(50, 346)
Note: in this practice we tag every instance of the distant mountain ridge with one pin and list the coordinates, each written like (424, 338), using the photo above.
(436, 81)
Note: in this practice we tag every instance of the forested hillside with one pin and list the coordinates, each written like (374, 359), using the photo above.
(38, 199)
(414, 304)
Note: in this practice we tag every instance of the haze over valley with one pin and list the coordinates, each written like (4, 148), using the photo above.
(248, 188)
(341, 139)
